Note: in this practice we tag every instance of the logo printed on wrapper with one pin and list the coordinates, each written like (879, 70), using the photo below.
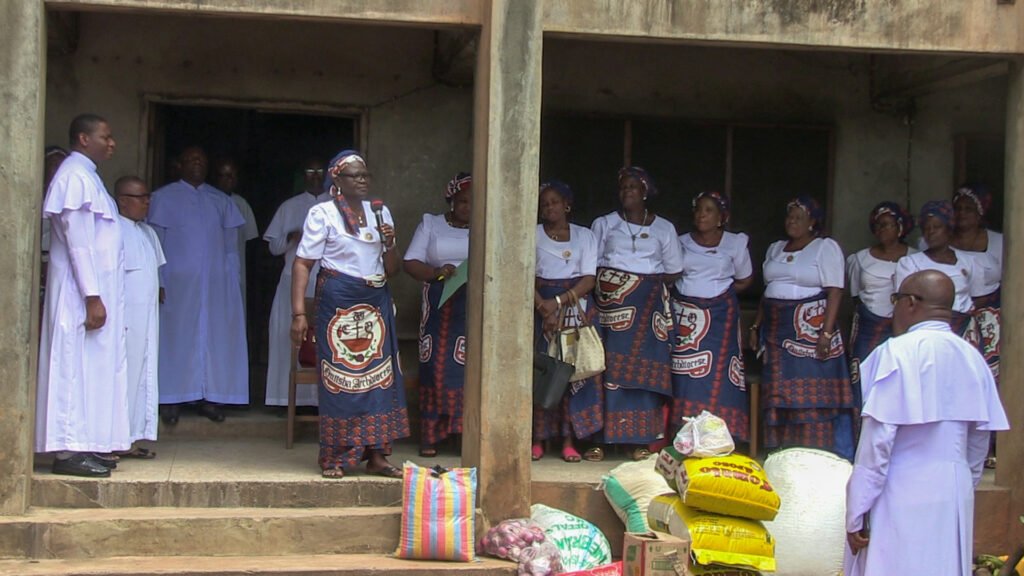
(336, 381)
(614, 285)
(619, 319)
(356, 336)
(695, 365)
(808, 319)
(736, 373)
(988, 326)
(426, 347)
(459, 354)
(661, 324)
(692, 324)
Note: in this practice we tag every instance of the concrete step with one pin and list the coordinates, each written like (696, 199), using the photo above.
(67, 492)
(323, 565)
(54, 533)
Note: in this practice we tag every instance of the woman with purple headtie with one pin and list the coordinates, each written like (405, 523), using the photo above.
(806, 396)
(937, 222)
(707, 363)
(871, 272)
(638, 254)
(566, 266)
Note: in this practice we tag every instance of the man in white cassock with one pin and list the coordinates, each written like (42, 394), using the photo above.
(203, 353)
(81, 393)
(930, 405)
(225, 178)
(283, 234)
(143, 258)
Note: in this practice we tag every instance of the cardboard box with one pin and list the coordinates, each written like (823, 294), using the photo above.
(613, 569)
(655, 554)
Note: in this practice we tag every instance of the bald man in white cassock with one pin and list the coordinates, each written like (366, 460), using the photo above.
(143, 258)
(81, 393)
(930, 405)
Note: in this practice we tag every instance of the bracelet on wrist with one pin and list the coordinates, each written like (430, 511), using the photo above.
(299, 314)
(558, 300)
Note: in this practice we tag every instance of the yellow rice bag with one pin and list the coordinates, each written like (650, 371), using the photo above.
(715, 539)
(735, 485)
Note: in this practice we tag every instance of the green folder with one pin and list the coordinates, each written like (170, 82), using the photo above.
(454, 282)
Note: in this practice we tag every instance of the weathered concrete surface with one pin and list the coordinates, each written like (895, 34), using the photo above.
(92, 533)
(327, 565)
(1010, 445)
(449, 12)
(506, 138)
(920, 25)
(22, 70)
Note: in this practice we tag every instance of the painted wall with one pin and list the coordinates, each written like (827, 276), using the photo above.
(796, 87)
(418, 131)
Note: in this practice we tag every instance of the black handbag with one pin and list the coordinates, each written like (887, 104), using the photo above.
(550, 378)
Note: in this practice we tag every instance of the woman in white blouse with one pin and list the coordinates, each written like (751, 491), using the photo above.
(936, 221)
(807, 399)
(971, 203)
(872, 272)
(439, 245)
(707, 363)
(362, 395)
(566, 266)
(638, 253)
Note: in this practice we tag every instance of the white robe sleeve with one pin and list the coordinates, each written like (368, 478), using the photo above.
(830, 264)
(853, 271)
(977, 450)
(870, 468)
(741, 258)
(598, 228)
(671, 250)
(314, 235)
(78, 226)
(904, 267)
(417, 249)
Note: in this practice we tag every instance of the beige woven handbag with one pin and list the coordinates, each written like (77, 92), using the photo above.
(581, 345)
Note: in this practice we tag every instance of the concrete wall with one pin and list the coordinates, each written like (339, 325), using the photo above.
(774, 86)
(418, 131)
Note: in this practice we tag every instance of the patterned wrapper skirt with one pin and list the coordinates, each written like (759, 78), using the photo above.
(581, 412)
(636, 326)
(988, 315)
(442, 363)
(707, 363)
(805, 401)
(362, 397)
(868, 331)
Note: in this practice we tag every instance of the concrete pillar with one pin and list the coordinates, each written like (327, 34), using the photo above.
(22, 84)
(506, 147)
(1010, 445)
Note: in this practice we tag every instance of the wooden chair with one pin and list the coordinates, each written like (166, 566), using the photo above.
(300, 376)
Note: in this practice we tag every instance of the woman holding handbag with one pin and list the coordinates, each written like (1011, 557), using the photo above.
(638, 254)
(566, 265)
(707, 363)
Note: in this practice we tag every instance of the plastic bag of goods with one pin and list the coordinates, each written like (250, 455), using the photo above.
(540, 559)
(734, 485)
(581, 544)
(668, 463)
(438, 513)
(715, 538)
(703, 436)
(629, 488)
(813, 484)
(510, 537)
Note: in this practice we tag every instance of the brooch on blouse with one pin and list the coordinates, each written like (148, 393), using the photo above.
(368, 237)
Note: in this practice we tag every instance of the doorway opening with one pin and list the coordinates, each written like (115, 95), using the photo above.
(270, 148)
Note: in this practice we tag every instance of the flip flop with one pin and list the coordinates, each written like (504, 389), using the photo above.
(594, 454)
(569, 454)
(336, 473)
(990, 463)
(139, 453)
(428, 452)
(536, 451)
(388, 471)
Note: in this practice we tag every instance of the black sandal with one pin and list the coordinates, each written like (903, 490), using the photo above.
(212, 412)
